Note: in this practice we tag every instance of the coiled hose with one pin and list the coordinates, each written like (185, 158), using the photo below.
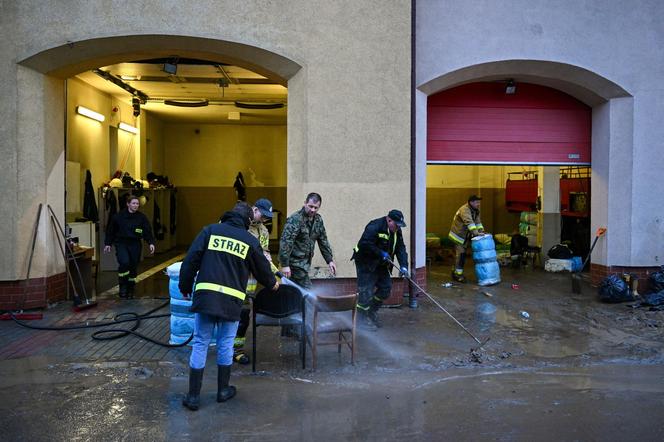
(114, 333)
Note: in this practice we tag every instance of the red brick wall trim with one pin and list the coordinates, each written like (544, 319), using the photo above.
(598, 272)
(347, 286)
(32, 293)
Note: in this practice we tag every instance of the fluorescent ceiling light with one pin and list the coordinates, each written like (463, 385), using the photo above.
(127, 128)
(89, 113)
(233, 115)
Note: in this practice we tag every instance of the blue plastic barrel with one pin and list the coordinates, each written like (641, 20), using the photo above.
(182, 320)
(487, 270)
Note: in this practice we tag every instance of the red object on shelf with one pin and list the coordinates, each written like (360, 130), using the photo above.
(575, 197)
(521, 195)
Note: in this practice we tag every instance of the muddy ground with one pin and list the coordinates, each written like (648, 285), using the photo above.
(575, 369)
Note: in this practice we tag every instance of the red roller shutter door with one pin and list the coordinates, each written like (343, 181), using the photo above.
(479, 123)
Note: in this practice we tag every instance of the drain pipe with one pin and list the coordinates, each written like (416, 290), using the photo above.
(413, 160)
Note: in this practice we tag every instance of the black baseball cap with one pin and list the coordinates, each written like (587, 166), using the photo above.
(472, 198)
(264, 205)
(396, 216)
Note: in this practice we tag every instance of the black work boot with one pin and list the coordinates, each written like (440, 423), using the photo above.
(193, 399)
(122, 293)
(224, 391)
(373, 316)
(458, 277)
(130, 290)
(364, 322)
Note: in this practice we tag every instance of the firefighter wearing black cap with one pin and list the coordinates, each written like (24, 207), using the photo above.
(381, 241)
(126, 231)
(465, 225)
(223, 254)
(262, 212)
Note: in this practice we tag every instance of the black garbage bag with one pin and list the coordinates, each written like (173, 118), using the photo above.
(613, 290)
(653, 299)
(560, 251)
(656, 280)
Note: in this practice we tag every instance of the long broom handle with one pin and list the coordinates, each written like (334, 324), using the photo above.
(34, 241)
(438, 305)
(69, 249)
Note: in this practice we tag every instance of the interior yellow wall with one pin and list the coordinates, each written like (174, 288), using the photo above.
(88, 141)
(448, 187)
(203, 161)
(214, 155)
(154, 131)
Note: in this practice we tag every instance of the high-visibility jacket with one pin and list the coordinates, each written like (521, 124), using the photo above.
(375, 239)
(223, 255)
(466, 223)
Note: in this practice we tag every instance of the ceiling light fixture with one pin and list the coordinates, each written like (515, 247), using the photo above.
(128, 128)
(81, 110)
(187, 103)
(233, 115)
(510, 89)
(241, 105)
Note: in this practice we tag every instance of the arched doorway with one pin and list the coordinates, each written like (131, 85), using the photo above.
(41, 90)
(609, 104)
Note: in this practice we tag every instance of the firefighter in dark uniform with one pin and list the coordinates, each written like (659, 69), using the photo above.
(381, 241)
(223, 254)
(126, 231)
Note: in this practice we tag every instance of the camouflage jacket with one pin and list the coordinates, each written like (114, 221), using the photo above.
(298, 239)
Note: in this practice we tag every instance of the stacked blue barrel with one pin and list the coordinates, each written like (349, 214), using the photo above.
(182, 320)
(487, 270)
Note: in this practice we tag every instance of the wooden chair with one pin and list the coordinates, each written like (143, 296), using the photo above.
(276, 309)
(331, 315)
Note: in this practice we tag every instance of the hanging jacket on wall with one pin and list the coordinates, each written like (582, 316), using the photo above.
(89, 203)
(173, 223)
(157, 226)
(111, 206)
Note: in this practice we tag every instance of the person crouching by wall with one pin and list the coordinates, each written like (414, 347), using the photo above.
(223, 254)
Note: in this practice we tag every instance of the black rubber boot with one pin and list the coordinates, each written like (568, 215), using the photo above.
(224, 391)
(364, 322)
(130, 290)
(122, 293)
(193, 399)
(373, 315)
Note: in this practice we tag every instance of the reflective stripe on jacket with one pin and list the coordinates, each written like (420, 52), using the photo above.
(466, 221)
(223, 255)
(375, 239)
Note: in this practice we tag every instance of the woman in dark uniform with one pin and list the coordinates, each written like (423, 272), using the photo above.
(126, 231)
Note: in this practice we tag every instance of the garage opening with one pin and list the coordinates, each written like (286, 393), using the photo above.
(189, 136)
(525, 150)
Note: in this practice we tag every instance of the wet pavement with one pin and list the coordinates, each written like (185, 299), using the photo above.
(575, 369)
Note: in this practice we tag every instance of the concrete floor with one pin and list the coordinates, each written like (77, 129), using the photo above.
(575, 370)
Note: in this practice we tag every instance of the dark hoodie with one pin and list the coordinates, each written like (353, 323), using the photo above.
(223, 254)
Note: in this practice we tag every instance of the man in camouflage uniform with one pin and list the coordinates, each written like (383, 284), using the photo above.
(301, 232)
(262, 212)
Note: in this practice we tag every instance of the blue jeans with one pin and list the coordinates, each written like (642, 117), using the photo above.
(203, 328)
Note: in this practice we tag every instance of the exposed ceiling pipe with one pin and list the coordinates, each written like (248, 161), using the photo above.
(118, 82)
